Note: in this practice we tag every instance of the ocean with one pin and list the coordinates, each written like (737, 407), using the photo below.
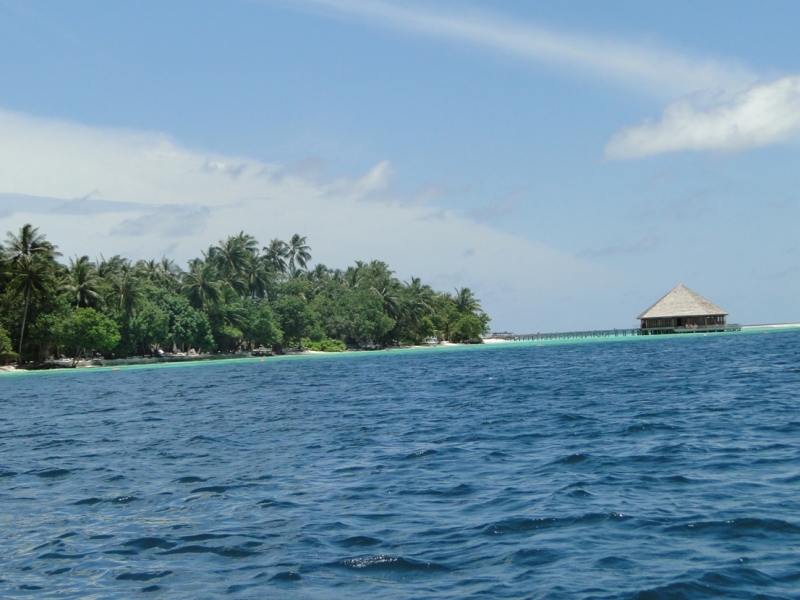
(646, 468)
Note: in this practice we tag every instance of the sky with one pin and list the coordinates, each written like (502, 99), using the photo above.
(569, 162)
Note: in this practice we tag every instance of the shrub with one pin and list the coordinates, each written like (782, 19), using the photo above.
(5, 341)
(8, 356)
(323, 345)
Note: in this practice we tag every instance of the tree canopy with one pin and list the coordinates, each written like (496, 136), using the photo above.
(237, 295)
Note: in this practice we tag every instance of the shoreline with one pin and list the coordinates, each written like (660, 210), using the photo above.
(116, 364)
(488, 344)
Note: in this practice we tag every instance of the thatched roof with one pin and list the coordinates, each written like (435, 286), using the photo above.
(682, 302)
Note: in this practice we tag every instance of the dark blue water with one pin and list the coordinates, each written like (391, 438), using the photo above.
(666, 468)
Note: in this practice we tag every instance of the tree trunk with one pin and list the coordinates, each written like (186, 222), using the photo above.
(24, 318)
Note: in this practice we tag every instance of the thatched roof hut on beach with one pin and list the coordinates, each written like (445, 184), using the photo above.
(683, 311)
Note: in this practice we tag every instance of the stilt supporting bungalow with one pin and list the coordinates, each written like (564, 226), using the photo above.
(684, 311)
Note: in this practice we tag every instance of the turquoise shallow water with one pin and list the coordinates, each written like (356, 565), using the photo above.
(645, 469)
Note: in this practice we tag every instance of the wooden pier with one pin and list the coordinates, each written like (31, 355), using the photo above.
(612, 333)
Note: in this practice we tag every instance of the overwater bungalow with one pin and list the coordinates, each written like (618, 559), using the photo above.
(684, 311)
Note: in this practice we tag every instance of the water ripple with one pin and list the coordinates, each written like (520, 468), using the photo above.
(641, 469)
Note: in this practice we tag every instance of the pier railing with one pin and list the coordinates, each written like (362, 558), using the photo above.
(567, 335)
(609, 333)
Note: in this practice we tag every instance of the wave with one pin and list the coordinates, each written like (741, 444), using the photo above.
(213, 489)
(286, 576)
(461, 489)
(88, 502)
(741, 527)
(52, 473)
(142, 576)
(227, 551)
(202, 537)
(147, 543)
(359, 540)
(421, 454)
(190, 479)
(386, 562)
(572, 459)
(520, 525)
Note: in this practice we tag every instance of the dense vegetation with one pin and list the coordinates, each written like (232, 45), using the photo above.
(237, 296)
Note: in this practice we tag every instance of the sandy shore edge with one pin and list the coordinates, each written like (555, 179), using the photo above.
(187, 359)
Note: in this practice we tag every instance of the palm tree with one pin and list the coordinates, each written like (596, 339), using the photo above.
(424, 293)
(388, 290)
(276, 254)
(5, 265)
(234, 257)
(29, 242)
(31, 276)
(232, 310)
(466, 302)
(126, 289)
(248, 242)
(210, 256)
(148, 269)
(195, 263)
(202, 288)
(298, 252)
(82, 283)
(168, 273)
(31, 260)
(353, 275)
(417, 302)
(379, 277)
(257, 276)
(112, 266)
(295, 273)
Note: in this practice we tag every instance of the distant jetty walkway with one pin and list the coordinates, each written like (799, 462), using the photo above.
(610, 333)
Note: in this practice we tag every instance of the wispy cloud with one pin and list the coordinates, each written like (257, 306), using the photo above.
(640, 65)
(160, 196)
(170, 221)
(11, 204)
(762, 115)
(646, 244)
(499, 208)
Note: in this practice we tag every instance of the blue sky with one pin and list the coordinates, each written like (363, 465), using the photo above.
(569, 162)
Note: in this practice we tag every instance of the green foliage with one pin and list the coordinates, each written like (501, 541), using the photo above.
(230, 335)
(6, 353)
(145, 328)
(5, 341)
(467, 327)
(352, 315)
(47, 328)
(88, 329)
(186, 327)
(323, 345)
(237, 295)
(7, 357)
(262, 326)
(82, 283)
(294, 317)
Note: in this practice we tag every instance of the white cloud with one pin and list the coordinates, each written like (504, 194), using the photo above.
(94, 191)
(762, 115)
(640, 65)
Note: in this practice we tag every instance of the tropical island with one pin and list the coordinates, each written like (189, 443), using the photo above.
(237, 297)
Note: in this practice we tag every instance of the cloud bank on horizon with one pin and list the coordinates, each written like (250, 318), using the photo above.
(105, 191)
